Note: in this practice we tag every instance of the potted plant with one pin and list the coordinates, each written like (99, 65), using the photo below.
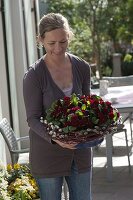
(17, 183)
(127, 65)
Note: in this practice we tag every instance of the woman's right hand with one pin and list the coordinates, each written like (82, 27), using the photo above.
(66, 144)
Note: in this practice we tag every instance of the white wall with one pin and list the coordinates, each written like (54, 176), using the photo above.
(19, 55)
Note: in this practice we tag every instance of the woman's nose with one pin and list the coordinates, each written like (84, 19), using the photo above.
(57, 46)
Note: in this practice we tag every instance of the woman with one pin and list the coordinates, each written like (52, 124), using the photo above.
(55, 75)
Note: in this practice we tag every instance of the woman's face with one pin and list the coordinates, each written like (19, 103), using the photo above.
(56, 42)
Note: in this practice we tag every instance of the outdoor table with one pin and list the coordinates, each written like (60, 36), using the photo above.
(124, 103)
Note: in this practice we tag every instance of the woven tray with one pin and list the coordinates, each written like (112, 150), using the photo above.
(77, 137)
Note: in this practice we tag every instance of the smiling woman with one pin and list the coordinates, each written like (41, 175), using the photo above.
(55, 75)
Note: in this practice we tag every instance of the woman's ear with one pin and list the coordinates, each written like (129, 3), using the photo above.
(40, 41)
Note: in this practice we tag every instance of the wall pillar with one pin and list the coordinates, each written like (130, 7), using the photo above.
(4, 103)
(17, 63)
(116, 64)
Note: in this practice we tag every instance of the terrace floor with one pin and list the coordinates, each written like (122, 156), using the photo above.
(121, 187)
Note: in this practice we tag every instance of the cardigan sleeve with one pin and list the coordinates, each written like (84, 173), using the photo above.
(86, 80)
(34, 104)
(83, 73)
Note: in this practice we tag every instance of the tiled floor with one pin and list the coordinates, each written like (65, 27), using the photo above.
(121, 187)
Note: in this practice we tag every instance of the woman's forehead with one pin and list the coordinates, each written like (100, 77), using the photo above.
(57, 34)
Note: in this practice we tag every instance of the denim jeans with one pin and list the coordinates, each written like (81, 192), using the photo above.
(79, 186)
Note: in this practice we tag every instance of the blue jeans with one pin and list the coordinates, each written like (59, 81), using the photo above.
(79, 186)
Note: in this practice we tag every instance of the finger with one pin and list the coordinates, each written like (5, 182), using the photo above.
(65, 145)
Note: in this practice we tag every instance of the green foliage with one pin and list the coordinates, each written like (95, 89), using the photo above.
(127, 65)
(96, 25)
(82, 42)
(128, 58)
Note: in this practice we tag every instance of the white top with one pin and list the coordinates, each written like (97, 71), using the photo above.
(68, 91)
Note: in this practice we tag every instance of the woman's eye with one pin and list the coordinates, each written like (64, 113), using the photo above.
(63, 42)
(51, 44)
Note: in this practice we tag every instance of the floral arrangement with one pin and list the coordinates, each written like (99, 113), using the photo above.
(16, 182)
(81, 118)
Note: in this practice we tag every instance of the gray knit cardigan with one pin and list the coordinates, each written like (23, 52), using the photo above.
(39, 90)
